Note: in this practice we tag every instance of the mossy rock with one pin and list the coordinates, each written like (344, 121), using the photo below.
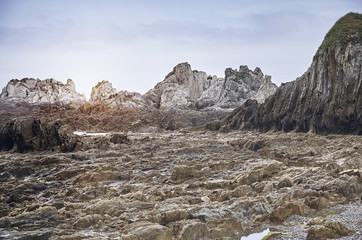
(347, 29)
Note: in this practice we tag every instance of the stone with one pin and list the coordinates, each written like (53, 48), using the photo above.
(146, 231)
(329, 229)
(35, 91)
(259, 172)
(29, 134)
(102, 91)
(197, 90)
(285, 182)
(119, 139)
(283, 212)
(194, 230)
(182, 173)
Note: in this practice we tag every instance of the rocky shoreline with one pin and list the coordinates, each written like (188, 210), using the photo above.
(184, 184)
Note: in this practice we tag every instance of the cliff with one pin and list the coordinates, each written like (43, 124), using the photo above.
(327, 98)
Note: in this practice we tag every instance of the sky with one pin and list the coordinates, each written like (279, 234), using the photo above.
(135, 44)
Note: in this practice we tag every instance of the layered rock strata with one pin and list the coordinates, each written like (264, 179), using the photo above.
(327, 98)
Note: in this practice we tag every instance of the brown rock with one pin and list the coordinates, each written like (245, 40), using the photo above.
(330, 229)
(260, 172)
(283, 212)
(146, 231)
(182, 173)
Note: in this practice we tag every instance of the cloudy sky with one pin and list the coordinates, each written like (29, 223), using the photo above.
(134, 44)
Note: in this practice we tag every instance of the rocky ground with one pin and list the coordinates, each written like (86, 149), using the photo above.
(187, 184)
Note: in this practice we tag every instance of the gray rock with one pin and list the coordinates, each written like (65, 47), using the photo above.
(35, 91)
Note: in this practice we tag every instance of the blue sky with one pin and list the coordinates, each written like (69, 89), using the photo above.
(134, 44)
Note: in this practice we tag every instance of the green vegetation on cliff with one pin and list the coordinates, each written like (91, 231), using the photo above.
(346, 29)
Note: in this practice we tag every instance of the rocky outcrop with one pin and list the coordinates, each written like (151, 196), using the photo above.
(29, 134)
(241, 85)
(266, 89)
(35, 91)
(101, 92)
(326, 99)
(104, 94)
(192, 89)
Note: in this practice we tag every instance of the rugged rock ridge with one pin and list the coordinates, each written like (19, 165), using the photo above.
(104, 94)
(36, 91)
(326, 99)
(192, 89)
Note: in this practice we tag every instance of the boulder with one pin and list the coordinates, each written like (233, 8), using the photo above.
(329, 229)
(285, 211)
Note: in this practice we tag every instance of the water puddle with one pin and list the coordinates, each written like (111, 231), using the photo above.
(90, 134)
(256, 236)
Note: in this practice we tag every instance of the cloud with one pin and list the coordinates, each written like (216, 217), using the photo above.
(136, 45)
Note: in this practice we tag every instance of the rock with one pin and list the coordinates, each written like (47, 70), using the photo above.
(184, 88)
(259, 172)
(285, 182)
(119, 139)
(182, 173)
(146, 231)
(194, 230)
(329, 229)
(325, 99)
(104, 96)
(28, 134)
(87, 221)
(266, 89)
(102, 91)
(35, 91)
(317, 203)
(283, 212)
(242, 85)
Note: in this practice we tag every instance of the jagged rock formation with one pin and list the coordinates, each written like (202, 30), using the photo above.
(104, 94)
(266, 89)
(35, 91)
(102, 91)
(326, 99)
(184, 88)
(242, 85)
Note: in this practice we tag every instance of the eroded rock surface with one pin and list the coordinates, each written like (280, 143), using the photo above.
(180, 185)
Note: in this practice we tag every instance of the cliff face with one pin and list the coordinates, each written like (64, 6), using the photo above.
(326, 99)
(35, 91)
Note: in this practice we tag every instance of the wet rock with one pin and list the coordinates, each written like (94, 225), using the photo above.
(29, 134)
(119, 139)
